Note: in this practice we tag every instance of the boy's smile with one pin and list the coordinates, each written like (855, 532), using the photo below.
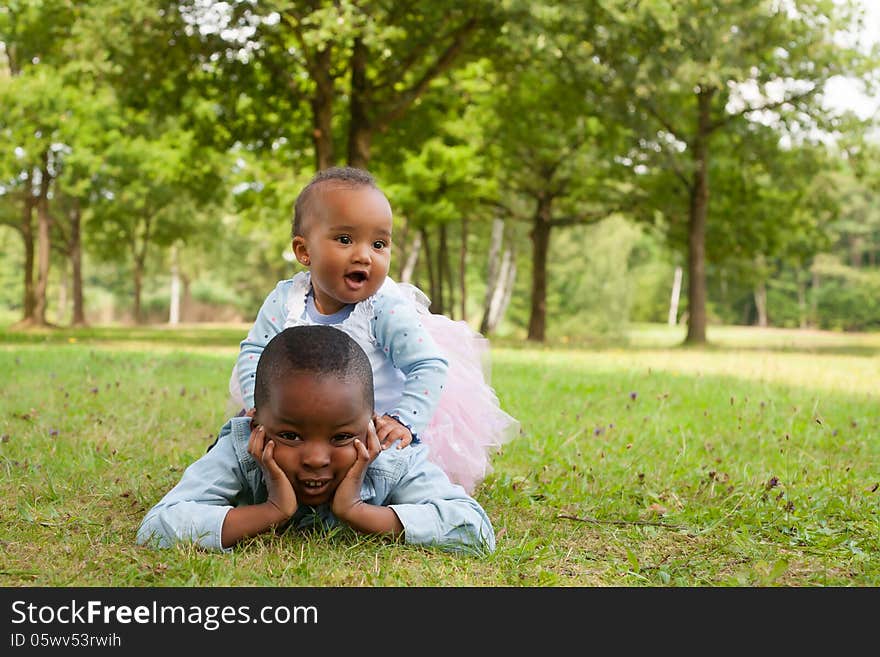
(313, 420)
(346, 245)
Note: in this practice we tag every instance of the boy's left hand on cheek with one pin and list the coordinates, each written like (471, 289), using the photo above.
(348, 494)
(390, 430)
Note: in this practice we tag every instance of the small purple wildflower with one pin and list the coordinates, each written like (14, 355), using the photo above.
(53, 432)
(633, 395)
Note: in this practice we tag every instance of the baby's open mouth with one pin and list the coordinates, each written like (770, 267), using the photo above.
(357, 276)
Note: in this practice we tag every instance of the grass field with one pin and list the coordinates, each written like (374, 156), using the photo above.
(754, 461)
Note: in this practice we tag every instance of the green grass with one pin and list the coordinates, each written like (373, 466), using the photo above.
(754, 461)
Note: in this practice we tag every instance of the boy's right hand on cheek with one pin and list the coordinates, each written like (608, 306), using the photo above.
(281, 493)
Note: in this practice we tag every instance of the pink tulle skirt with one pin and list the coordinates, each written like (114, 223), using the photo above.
(469, 424)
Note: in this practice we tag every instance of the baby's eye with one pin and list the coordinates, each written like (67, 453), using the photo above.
(342, 439)
(380, 244)
(344, 239)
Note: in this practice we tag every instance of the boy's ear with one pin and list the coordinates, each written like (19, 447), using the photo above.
(300, 250)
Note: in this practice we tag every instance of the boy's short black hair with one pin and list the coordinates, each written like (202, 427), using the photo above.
(319, 350)
(351, 177)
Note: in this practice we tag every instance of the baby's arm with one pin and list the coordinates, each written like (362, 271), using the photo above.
(195, 509)
(434, 511)
(270, 321)
(413, 351)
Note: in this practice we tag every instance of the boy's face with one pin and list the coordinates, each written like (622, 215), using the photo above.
(346, 244)
(314, 421)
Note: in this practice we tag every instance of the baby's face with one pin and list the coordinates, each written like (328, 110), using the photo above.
(313, 421)
(347, 245)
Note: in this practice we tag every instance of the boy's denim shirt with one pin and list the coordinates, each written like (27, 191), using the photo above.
(432, 510)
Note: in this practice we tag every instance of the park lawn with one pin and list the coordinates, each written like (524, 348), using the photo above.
(754, 461)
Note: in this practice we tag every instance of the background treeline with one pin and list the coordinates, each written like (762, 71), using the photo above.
(554, 166)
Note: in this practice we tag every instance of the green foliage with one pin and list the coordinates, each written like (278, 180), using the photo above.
(848, 299)
(591, 284)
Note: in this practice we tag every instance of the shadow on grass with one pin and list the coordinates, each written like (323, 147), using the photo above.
(188, 336)
(600, 344)
(230, 336)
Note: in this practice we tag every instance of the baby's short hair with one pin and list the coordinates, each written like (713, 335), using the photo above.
(319, 350)
(350, 177)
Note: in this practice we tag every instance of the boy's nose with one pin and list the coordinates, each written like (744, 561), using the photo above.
(316, 456)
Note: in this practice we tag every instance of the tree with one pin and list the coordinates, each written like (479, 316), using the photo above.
(36, 100)
(558, 151)
(150, 182)
(689, 71)
(378, 59)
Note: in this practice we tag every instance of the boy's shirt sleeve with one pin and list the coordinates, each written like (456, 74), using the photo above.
(194, 510)
(414, 352)
(434, 511)
(270, 321)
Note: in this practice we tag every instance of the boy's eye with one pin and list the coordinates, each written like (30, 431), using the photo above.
(342, 439)
(288, 436)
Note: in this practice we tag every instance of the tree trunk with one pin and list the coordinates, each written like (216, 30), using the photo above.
(322, 110)
(79, 314)
(673, 300)
(445, 270)
(63, 290)
(44, 245)
(138, 278)
(27, 236)
(855, 244)
(492, 274)
(760, 294)
(462, 268)
(699, 208)
(436, 297)
(540, 236)
(187, 304)
(508, 281)
(802, 301)
(140, 259)
(174, 304)
(503, 290)
(412, 257)
(360, 128)
(814, 300)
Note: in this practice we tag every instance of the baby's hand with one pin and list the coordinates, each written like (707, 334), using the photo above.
(281, 493)
(390, 430)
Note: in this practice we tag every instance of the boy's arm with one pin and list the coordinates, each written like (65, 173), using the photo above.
(347, 504)
(414, 352)
(434, 511)
(252, 519)
(195, 509)
(270, 321)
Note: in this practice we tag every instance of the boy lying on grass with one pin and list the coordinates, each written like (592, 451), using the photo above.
(310, 455)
